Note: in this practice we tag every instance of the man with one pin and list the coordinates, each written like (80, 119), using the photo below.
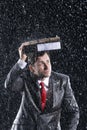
(41, 110)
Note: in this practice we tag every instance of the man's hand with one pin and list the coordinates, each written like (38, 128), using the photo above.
(20, 49)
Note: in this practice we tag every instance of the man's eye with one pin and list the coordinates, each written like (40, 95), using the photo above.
(39, 63)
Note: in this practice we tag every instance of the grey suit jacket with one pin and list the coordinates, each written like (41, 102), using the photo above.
(30, 116)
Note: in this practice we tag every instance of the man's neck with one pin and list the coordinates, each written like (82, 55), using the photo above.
(45, 80)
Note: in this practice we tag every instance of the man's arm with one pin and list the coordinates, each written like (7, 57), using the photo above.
(14, 80)
(71, 107)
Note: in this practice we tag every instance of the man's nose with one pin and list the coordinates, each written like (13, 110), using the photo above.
(45, 66)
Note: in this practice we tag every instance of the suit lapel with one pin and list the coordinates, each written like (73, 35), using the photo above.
(34, 92)
(55, 84)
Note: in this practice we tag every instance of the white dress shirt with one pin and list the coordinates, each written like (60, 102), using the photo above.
(45, 81)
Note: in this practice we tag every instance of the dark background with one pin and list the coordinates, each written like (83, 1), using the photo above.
(20, 20)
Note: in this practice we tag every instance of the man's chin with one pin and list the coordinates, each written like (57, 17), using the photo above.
(43, 76)
(46, 75)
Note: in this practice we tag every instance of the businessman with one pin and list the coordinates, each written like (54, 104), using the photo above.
(44, 93)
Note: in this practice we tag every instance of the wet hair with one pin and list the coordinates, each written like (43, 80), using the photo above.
(33, 56)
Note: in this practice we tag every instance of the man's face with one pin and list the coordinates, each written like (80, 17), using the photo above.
(42, 67)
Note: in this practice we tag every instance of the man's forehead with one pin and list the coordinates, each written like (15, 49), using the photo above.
(43, 57)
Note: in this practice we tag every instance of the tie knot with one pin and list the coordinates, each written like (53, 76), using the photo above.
(42, 84)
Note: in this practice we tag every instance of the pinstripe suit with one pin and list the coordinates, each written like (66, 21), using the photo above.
(30, 116)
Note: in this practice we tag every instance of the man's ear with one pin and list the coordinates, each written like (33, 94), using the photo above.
(31, 68)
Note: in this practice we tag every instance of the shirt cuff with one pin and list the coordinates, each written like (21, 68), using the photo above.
(22, 64)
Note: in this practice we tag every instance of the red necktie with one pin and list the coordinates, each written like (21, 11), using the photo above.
(43, 96)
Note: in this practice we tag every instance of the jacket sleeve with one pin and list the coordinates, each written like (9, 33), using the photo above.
(71, 107)
(14, 80)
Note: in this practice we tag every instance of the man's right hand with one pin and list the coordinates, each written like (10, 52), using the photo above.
(22, 55)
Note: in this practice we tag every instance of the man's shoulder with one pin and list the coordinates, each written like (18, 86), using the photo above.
(59, 75)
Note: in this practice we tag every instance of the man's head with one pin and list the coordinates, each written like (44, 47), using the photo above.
(40, 65)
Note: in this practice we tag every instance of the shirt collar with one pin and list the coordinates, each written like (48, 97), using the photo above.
(46, 81)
